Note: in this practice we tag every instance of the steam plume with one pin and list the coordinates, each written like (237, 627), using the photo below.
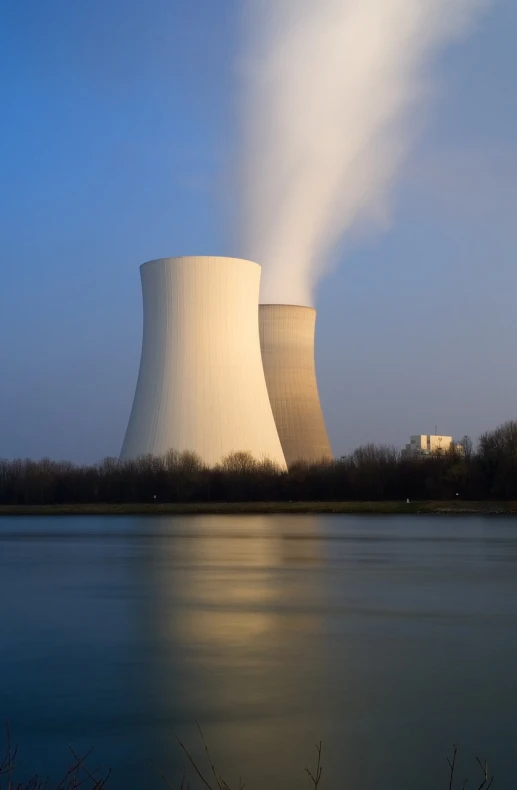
(329, 95)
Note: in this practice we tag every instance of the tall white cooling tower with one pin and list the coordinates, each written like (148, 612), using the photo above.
(201, 384)
(287, 341)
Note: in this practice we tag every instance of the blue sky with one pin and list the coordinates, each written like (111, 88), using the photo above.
(116, 140)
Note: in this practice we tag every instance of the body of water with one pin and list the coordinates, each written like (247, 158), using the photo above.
(389, 638)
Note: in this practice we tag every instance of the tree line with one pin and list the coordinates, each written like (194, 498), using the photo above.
(371, 472)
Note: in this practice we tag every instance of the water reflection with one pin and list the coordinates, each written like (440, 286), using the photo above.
(275, 632)
(389, 638)
(234, 610)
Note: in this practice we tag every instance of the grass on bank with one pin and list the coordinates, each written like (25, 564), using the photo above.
(81, 774)
(229, 508)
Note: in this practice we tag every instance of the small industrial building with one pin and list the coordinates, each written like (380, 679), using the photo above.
(428, 444)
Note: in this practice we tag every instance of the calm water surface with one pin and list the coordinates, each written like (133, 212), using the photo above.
(389, 638)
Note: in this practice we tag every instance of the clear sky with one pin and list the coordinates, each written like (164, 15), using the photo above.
(117, 127)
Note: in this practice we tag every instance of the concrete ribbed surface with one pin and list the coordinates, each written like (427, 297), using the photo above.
(201, 384)
(287, 344)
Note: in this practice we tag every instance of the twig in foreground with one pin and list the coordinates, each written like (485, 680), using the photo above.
(319, 768)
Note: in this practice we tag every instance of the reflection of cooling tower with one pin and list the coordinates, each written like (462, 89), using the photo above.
(287, 341)
(201, 383)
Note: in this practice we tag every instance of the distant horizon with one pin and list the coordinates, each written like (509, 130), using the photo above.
(456, 441)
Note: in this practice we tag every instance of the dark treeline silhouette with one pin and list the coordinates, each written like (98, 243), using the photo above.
(369, 473)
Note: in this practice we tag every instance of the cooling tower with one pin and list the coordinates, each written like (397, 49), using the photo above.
(287, 342)
(201, 384)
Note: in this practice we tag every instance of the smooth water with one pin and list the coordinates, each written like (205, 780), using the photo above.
(389, 638)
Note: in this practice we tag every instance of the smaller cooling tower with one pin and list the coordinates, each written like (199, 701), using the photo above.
(201, 385)
(287, 343)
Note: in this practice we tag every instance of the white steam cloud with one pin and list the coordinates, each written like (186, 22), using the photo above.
(331, 92)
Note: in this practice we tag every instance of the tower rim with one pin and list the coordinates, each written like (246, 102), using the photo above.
(200, 258)
(285, 304)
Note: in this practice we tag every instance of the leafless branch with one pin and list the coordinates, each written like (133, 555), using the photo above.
(162, 776)
(452, 764)
(98, 784)
(487, 781)
(319, 769)
(217, 778)
(193, 764)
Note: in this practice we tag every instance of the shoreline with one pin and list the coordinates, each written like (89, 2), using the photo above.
(261, 508)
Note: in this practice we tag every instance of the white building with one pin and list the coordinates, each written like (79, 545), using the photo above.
(428, 444)
(201, 384)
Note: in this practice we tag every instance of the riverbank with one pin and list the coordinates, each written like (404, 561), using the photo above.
(236, 508)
